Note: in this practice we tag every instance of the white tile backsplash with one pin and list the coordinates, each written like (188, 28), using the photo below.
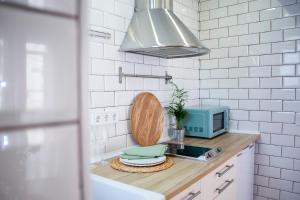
(258, 27)
(238, 94)
(248, 17)
(96, 83)
(249, 61)
(219, 73)
(283, 70)
(277, 3)
(249, 104)
(283, 47)
(292, 106)
(228, 42)
(283, 23)
(223, 3)
(210, 24)
(289, 195)
(285, 117)
(238, 51)
(291, 10)
(111, 83)
(102, 99)
(291, 58)
(228, 62)
(217, 13)
(291, 82)
(271, 13)
(103, 67)
(291, 129)
(249, 39)
(262, 71)
(238, 30)
(228, 83)
(238, 72)
(263, 79)
(248, 82)
(219, 33)
(271, 82)
(105, 91)
(238, 9)
(291, 34)
(271, 105)
(227, 21)
(259, 5)
(260, 49)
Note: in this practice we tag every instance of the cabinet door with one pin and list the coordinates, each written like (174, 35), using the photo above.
(245, 173)
(218, 180)
(227, 191)
(191, 193)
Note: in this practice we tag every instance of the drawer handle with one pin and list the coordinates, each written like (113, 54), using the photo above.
(228, 167)
(193, 195)
(239, 154)
(220, 190)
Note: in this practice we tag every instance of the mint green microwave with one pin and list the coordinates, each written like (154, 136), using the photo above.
(206, 121)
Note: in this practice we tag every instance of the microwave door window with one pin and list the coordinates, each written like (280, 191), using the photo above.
(218, 121)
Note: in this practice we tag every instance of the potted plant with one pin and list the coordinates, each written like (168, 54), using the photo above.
(176, 109)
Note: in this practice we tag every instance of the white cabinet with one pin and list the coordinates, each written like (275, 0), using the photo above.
(191, 193)
(245, 175)
(227, 191)
(220, 183)
(233, 180)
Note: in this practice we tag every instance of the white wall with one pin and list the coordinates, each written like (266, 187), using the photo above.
(107, 94)
(254, 67)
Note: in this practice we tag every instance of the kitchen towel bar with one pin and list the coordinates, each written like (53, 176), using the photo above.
(167, 77)
(100, 34)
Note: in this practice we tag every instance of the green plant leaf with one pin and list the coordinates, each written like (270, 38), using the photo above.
(176, 106)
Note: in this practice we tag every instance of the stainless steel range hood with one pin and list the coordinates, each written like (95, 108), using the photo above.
(156, 31)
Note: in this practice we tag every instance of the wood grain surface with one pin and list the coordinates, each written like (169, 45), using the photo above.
(147, 119)
(116, 164)
(184, 172)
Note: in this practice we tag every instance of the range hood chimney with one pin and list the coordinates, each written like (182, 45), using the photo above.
(156, 31)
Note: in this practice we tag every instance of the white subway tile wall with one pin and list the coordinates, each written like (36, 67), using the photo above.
(105, 92)
(259, 80)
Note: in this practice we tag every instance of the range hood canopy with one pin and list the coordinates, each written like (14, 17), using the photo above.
(156, 31)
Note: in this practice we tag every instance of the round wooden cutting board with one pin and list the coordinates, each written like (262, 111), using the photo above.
(147, 119)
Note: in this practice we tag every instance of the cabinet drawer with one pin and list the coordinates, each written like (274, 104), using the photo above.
(219, 179)
(227, 191)
(225, 171)
(191, 193)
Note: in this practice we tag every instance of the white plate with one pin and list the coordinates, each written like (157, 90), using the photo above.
(145, 165)
(144, 162)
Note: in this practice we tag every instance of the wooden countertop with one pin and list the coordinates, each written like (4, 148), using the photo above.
(184, 172)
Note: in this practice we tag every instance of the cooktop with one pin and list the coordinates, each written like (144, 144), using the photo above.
(193, 152)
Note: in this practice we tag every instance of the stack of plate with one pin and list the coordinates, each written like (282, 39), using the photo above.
(144, 162)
